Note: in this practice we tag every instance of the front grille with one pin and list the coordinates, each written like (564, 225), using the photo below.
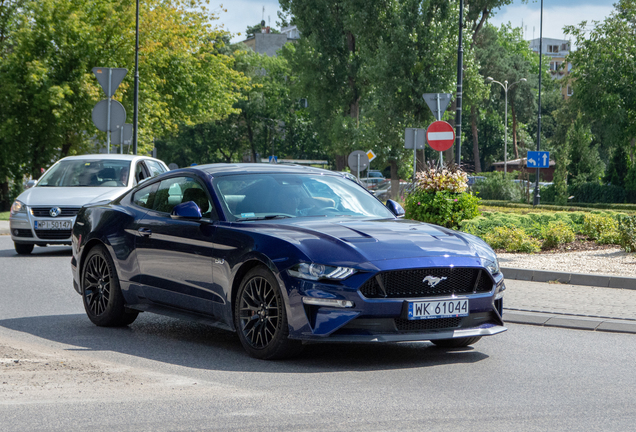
(410, 283)
(53, 234)
(22, 233)
(44, 211)
(405, 325)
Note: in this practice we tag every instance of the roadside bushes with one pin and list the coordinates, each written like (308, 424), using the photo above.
(496, 187)
(440, 197)
(533, 231)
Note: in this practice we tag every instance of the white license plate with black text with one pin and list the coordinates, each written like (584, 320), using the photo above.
(53, 225)
(449, 308)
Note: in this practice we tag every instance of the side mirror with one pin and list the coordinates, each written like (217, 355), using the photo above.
(186, 210)
(395, 208)
(31, 183)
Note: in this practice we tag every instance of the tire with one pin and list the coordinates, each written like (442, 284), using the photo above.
(23, 248)
(457, 342)
(260, 317)
(101, 293)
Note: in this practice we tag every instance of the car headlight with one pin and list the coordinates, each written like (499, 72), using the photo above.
(18, 207)
(491, 266)
(320, 271)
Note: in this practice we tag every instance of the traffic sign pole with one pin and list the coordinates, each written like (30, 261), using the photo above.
(110, 82)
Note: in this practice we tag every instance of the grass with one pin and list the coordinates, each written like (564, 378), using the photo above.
(4, 216)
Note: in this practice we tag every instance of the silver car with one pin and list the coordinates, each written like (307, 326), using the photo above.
(45, 213)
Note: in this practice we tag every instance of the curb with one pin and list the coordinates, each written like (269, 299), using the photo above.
(603, 281)
(578, 322)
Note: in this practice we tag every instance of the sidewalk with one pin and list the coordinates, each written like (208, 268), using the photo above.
(4, 228)
(589, 304)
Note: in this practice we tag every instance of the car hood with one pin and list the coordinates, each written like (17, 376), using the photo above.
(375, 240)
(68, 196)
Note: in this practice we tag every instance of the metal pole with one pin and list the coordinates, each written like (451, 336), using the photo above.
(506, 133)
(537, 196)
(121, 140)
(439, 117)
(414, 154)
(358, 166)
(136, 103)
(110, 79)
(460, 68)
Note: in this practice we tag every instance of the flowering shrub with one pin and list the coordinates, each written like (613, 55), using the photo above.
(440, 198)
(448, 178)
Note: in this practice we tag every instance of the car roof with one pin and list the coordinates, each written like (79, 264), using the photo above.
(222, 169)
(108, 156)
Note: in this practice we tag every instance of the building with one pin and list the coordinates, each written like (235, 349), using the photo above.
(269, 43)
(557, 50)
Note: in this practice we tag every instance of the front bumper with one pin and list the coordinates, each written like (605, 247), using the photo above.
(22, 230)
(384, 319)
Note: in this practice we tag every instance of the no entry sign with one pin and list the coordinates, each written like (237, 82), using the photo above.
(440, 135)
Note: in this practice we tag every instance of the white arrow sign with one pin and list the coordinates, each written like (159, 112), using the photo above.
(532, 162)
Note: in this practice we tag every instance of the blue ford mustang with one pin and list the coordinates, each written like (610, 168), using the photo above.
(282, 255)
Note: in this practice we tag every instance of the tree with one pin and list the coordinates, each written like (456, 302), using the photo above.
(602, 78)
(48, 91)
(585, 165)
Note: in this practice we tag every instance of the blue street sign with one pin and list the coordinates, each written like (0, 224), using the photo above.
(538, 159)
(273, 159)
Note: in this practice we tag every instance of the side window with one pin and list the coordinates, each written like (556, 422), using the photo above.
(178, 190)
(141, 172)
(154, 167)
(145, 197)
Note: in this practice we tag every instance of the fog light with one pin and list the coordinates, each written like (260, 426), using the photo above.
(327, 302)
(15, 232)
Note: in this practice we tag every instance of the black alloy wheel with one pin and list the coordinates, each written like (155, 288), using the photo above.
(103, 300)
(261, 319)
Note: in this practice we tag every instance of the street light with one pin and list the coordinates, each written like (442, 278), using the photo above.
(505, 87)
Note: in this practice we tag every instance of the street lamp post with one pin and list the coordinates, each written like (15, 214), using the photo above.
(505, 87)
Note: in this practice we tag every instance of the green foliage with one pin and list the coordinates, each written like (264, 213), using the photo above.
(627, 232)
(593, 192)
(618, 168)
(603, 229)
(512, 240)
(556, 233)
(47, 89)
(443, 208)
(584, 163)
(496, 187)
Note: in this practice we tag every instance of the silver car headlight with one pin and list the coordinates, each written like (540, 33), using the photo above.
(18, 207)
(491, 266)
(319, 271)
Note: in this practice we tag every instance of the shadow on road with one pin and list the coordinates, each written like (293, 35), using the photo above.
(194, 345)
(49, 251)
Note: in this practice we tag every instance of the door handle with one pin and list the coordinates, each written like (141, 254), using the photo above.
(144, 232)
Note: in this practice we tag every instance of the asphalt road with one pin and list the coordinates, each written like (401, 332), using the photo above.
(58, 372)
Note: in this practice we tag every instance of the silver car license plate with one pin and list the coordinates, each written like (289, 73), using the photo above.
(449, 308)
(64, 224)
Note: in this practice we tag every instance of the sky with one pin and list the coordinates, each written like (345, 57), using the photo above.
(556, 14)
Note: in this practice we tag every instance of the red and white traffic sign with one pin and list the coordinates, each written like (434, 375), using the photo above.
(440, 135)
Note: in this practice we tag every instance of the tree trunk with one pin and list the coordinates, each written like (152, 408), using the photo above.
(341, 162)
(395, 180)
(473, 125)
(5, 201)
(514, 130)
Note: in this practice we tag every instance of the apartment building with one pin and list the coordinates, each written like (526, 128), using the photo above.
(557, 50)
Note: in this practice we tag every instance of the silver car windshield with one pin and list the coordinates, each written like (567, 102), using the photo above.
(87, 173)
(269, 196)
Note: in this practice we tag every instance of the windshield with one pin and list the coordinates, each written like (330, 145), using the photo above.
(87, 173)
(269, 196)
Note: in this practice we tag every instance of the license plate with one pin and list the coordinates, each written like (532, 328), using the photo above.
(438, 309)
(53, 225)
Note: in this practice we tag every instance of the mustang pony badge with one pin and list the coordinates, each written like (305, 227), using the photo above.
(433, 281)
